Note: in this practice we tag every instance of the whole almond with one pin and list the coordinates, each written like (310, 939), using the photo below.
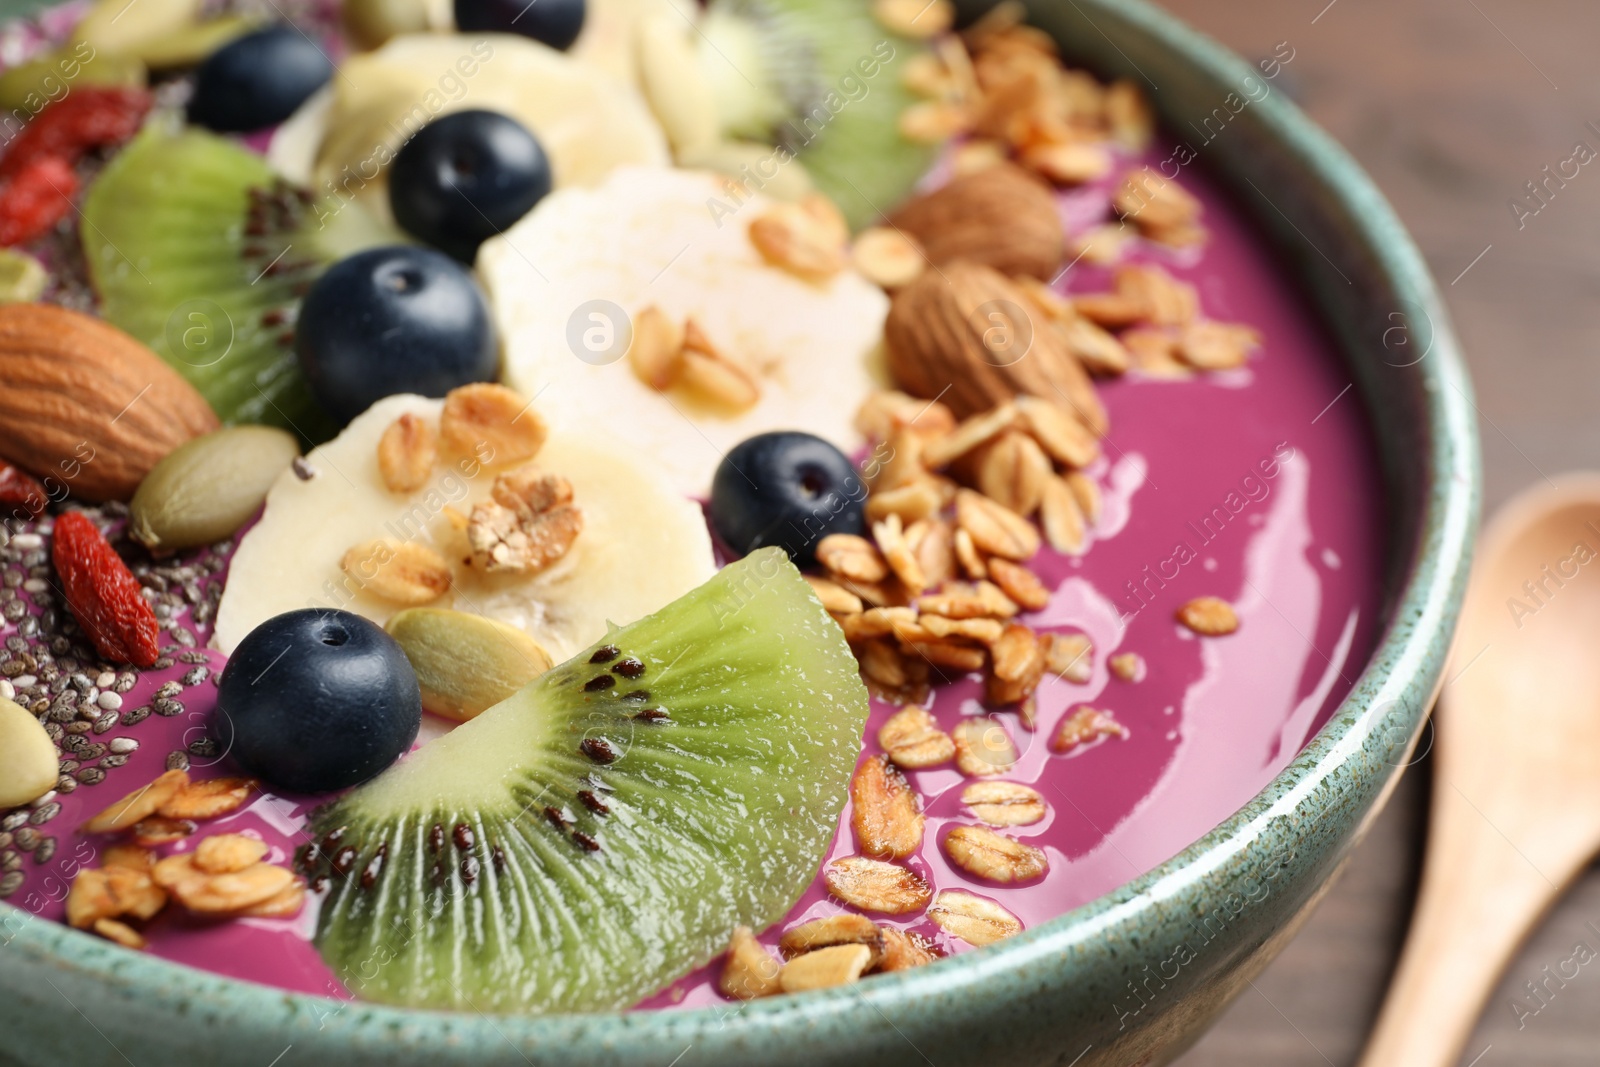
(1000, 217)
(87, 406)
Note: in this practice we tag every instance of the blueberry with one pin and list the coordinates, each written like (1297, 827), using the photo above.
(466, 177)
(393, 320)
(785, 488)
(552, 22)
(258, 80)
(314, 701)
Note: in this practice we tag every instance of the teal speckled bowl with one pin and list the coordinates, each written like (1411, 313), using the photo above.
(1114, 982)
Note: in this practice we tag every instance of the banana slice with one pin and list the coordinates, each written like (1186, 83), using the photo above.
(610, 36)
(564, 281)
(588, 120)
(642, 544)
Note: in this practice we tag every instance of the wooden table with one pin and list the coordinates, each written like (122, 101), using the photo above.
(1452, 106)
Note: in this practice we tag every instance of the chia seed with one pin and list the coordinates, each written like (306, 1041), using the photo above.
(79, 727)
(10, 861)
(106, 721)
(27, 840)
(167, 708)
(13, 579)
(68, 765)
(203, 747)
(191, 657)
(178, 761)
(121, 746)
(45, 852)
(106, 679)
(109, 701)
(161, 664)
(168, 689)
(28, 627)
(113, 762)
(66, 784)
(196, 676)
(136, 716)
(126, 681)
(10, 883)
(43, 815)
(90, 776)
(14, 820)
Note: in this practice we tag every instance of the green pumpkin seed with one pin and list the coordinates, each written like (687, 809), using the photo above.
(465, 663)
(205, 489)
(22, 278)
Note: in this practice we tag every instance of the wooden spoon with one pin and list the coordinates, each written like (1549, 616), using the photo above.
(1516, 793)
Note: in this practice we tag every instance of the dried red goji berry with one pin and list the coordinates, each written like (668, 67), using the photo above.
(103, 594)
(20, 493)
(88, 117)
(36, 199)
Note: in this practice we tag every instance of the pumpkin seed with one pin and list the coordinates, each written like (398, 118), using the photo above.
(205, 489)
(465, 663)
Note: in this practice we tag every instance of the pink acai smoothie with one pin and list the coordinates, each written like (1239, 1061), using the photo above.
(1258, 485)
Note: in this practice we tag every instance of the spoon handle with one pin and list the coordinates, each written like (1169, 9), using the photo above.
(1483, 888)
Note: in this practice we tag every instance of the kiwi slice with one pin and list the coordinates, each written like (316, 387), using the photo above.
(599, 834)
(199, 250)
(823, 79)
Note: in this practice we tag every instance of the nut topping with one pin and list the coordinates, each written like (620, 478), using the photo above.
(401, 572)
(208, 799)
(887, 257)
(137, 805)
(228, 853)
(995, 529)
(656, 351)
(805, 238)
(852, 557)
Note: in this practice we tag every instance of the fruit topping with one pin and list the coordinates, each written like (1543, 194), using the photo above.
(393, 320)
(86, 405)
(88, 117)
(827, 91)
(197, 249)
(641, 544)
(35, 198)
(119, 29)
(314, 701)
(788, 489)
(595, 835)
(102, 593)
(556, 23)
(258, 80)
(206, 489)
(27, 757)
(465, 177)
(771, 350)
(587, 121)
(20, 494)
(465, 663)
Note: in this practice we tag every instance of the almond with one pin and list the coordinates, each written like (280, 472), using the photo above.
(967, 335)
(87, 405)
(1000, 217)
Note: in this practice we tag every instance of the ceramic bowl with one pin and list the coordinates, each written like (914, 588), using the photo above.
(1131, 978)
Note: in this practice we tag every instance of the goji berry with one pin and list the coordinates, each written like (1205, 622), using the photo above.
(20, 493)
(36, 199)
(103, 594)
(87, 117)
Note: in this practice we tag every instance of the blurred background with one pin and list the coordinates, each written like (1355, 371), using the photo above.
(1452, 106)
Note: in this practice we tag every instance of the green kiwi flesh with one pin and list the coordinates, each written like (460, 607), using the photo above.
(198, 249)
(600, 834)
(823, 79)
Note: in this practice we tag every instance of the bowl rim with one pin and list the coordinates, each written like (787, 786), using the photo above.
(1387, 703)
